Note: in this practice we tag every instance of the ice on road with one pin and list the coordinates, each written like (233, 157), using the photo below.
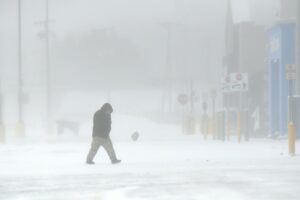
(184, 168)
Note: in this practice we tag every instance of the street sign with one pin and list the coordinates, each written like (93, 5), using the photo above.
(239, 82)
(291, 76)
(235, 82)
(182, 99)
(290, 68)
(290, 72)
(225, 84)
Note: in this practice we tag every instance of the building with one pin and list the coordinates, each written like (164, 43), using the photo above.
(282, 82)
(246, 52)
(298, 49)
(281, 54)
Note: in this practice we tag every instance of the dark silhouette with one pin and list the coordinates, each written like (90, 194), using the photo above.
(101, 131)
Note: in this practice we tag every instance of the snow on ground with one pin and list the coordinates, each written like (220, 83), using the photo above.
(155, 167)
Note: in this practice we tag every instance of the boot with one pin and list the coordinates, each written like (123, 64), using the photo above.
(115, 161)
(90, 162)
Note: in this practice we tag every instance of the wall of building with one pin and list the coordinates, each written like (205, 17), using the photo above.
(252, 48)
(288, 9)
(282, 53)
(298, 48)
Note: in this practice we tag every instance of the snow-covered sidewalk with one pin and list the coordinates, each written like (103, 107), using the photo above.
(185, 168)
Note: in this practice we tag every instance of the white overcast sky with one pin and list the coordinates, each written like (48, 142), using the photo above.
(199, 27)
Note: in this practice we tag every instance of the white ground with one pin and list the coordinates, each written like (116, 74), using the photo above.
(183, 168)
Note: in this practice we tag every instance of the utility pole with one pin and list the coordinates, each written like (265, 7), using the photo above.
(46, 35)
(191, 118)
(213, 94)
(20, 129)
(48, 70)
(167, 93)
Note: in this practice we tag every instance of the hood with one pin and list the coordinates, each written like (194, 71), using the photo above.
(106, 107)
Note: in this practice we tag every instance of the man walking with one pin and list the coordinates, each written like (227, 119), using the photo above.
(101, 131)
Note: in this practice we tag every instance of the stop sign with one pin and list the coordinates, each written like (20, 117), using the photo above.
(183, 99)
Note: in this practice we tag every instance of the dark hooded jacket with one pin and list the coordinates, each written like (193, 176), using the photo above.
(102, 122)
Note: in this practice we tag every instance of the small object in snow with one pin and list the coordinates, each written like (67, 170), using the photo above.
(135, 136)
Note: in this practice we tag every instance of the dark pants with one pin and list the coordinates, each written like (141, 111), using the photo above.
(107, 145)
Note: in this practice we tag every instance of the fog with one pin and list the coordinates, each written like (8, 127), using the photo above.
(184, 76)
(141, 43)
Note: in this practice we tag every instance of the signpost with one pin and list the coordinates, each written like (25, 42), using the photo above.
(290, 72)
(213, 94)
(225, 84)
(183, 100)
(235, 82)
(239, 82)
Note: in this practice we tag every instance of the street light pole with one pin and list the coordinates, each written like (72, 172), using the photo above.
(167, 93)
(48, 70)
(20, 130)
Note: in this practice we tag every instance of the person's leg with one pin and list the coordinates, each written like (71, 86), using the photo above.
(93, 150)
(110, 150)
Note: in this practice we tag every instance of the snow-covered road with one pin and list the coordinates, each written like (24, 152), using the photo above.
(185, 168)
